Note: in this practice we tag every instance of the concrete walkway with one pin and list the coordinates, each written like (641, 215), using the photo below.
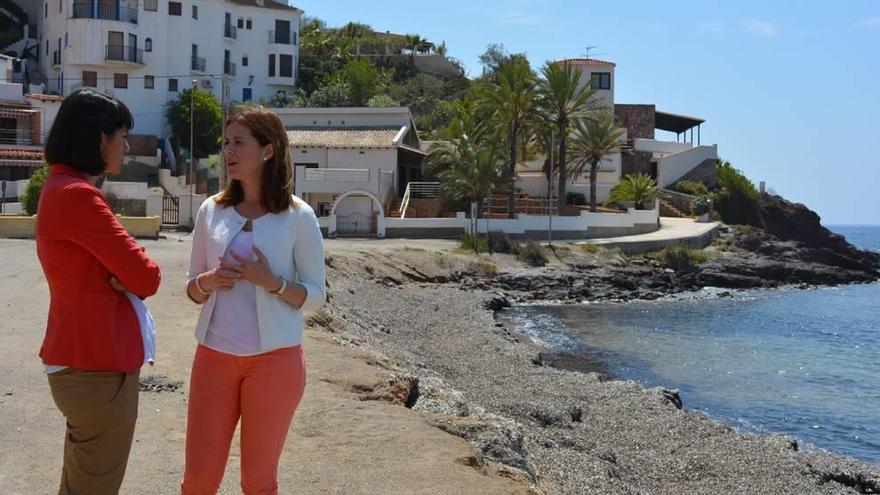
(681, 231)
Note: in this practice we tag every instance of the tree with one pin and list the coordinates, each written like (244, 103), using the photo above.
(737, 200)
(207, 121)
(362, 79)
(639, 189)
(510, 99)
(31, 198)
(468, 167)
(592, 141)
(564, 100)
(331, 95)
(379, 101)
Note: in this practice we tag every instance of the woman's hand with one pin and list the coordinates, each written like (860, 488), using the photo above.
(256, 272)
(220, 278)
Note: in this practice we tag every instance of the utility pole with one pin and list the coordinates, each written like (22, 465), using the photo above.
(550, 201)
(225, 103)
(192, 151)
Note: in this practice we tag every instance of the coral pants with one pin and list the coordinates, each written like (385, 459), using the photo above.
(264, 390)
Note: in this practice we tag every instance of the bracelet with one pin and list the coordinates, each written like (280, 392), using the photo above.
(280, 291)
(199, 287)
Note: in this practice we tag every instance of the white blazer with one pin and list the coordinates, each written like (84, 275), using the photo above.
(291, 241)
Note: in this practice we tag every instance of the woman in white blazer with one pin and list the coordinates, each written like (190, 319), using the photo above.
(257, 263)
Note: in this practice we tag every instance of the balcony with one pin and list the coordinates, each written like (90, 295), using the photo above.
(199, 64)
(121, 53)
(229, 68)
(230, 31)
(17, 136)
(84, 9)
(282, 37)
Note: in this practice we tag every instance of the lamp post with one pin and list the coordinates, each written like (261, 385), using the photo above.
(550, 193)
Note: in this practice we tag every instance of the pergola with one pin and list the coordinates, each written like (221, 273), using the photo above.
(679, 124)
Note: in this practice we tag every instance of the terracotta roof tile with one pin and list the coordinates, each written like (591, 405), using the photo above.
(585, 61)
(16, 154)
(348, 137)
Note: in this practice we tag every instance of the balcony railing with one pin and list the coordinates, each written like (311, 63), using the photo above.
(123, 53)
(282, 37)
(17, 136)
(105, 11)
(230, 31)
(199, 64)
(229, 68)
(337, 174)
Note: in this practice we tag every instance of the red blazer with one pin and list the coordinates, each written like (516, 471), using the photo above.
(80, 244)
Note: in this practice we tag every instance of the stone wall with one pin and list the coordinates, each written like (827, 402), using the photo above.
(704, 172)
(637, 119)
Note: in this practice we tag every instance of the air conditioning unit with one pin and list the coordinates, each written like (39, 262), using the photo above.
(207, 83)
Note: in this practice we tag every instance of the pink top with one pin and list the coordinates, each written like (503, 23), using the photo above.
(234, 328)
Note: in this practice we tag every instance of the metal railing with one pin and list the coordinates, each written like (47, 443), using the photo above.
(418, 190)
(282, 37)
(124, 53)
(17, 136)
(229, 68)
(230, 31)
(85, 9)
(338, 174)
(199, 64)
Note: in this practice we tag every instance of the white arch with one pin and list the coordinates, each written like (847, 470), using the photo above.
(358, 192)
(380, 218)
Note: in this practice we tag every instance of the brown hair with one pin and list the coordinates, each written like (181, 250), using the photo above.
(277, 176)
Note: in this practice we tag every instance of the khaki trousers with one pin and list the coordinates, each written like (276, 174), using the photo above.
(101, 408)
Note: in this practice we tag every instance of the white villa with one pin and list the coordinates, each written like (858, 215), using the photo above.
(146, 51)
(353, 164)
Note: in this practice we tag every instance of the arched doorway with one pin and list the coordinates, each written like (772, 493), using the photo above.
(361, 219)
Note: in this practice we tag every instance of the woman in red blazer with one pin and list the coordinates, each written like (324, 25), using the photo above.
(93, 349)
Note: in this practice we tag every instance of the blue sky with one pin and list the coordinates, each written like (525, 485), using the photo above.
(790, 90)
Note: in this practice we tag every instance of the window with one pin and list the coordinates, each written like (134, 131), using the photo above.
(149, 82)
(600, 80)
(175, 8)
(195, 11)
(247, 94)
(244, 60)
(172, 85)
(148, 45)
(65, 40)
(46, 9)
(249, 24)
(272, 65)
(90, 79)
(151, 5)
(47, 47)
(286, 66)
(240, 23)
(120, 81)
(60, 6)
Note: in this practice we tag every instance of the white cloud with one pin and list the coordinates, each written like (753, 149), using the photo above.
(759, 27)
(869, 23)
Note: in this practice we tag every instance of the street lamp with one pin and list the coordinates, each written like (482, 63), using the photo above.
(192, 151)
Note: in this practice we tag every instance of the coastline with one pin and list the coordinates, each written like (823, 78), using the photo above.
(568, 431)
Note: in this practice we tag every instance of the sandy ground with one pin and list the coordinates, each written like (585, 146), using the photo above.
(337, 444)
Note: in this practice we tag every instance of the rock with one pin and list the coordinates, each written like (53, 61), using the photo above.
(497, 303)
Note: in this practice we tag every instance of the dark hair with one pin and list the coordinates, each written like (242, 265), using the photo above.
(276, 193)
(75, 138)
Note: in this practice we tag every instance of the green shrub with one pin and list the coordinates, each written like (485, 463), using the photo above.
(576, 198)
(691, 187)
(467, 243)
(590, 248)
(681, 258)
(31, 197)
(639, 189)
(500, 243)
(701, 205)
(532, 254)
(737, 200)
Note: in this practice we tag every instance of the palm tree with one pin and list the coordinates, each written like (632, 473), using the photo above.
(467, 167)
(510, 99)
(592, 141)
(639, 189)
(564, 100)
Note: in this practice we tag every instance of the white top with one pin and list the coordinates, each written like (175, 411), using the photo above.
(292, 243)
(234, 328)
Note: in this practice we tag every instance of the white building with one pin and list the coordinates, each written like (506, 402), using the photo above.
(146, 51)
(352, 164)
